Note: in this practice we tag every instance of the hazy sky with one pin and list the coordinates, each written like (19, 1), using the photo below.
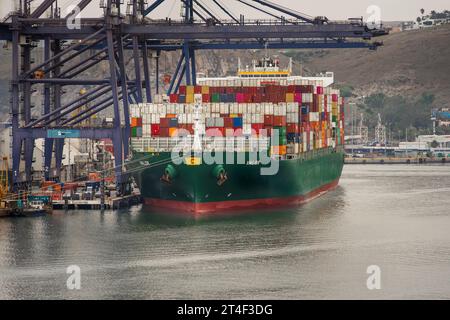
(333, 9)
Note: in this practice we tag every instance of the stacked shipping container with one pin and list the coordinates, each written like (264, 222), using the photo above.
(304, 116)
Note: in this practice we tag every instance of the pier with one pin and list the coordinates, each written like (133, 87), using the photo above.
(96, 204)
(393, 160)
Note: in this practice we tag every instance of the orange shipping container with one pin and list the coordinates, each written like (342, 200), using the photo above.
(278, 150)
(93, 176)
(173, 132)
(136, 122)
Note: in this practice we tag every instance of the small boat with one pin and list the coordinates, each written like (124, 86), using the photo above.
(35, 208)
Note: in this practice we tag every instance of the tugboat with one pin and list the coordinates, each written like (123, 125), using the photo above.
(35, 205)
(36, 208)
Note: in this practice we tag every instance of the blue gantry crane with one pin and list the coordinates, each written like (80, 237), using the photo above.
(70, 52)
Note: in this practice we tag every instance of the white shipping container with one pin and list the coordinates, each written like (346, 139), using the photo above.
(313, 116)
(247, 129)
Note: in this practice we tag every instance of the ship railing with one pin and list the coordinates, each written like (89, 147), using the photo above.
(208, 144)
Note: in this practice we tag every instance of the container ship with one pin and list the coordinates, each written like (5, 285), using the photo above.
(261, 138)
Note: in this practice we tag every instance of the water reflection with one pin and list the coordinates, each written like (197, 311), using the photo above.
(317, 250)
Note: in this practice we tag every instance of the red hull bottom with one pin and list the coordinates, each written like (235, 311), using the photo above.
(221, 206)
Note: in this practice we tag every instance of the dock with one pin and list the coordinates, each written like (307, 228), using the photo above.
(96, 204)
(396, 160)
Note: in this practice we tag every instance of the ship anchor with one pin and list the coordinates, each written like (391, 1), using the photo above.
(222, 178)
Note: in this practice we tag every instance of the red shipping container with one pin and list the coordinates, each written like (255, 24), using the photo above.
(228, 122)
(173, 98)
(279, 121)
(155, 129)
(206, 98)
(334, 97)
(164, 132)
(182, 90)
(292, 128)
(190, 127)
(56, 196)
(319, 90)
(268, 120)
(298, 98)
(257, 98)
(291, 89)
(256, 128)
(165, 122)
(198, 89)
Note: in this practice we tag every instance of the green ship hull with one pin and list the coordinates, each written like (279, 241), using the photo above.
(202, 188)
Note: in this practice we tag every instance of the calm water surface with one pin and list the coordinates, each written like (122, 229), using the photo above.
(396, 217)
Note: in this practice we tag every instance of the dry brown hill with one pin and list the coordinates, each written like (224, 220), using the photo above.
(408, 64)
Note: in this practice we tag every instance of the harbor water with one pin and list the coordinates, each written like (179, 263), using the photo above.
(394, 217)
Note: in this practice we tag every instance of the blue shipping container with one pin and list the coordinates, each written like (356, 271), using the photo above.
(237, 122)
(173, 123)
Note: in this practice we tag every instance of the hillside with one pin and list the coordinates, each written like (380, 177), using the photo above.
(409, 64)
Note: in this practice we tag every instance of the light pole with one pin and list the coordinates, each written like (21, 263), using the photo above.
(352, 104)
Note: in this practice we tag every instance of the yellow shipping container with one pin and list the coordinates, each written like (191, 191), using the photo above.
(190, 98)
(234, 115)
(289, 97)
(189, 90)
(205, 90)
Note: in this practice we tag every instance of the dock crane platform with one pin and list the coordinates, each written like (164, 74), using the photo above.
(71, 51)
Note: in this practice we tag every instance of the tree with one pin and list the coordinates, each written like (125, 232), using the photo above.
(418, 19)
(375, 101)
(434, 144)
(422, 11)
